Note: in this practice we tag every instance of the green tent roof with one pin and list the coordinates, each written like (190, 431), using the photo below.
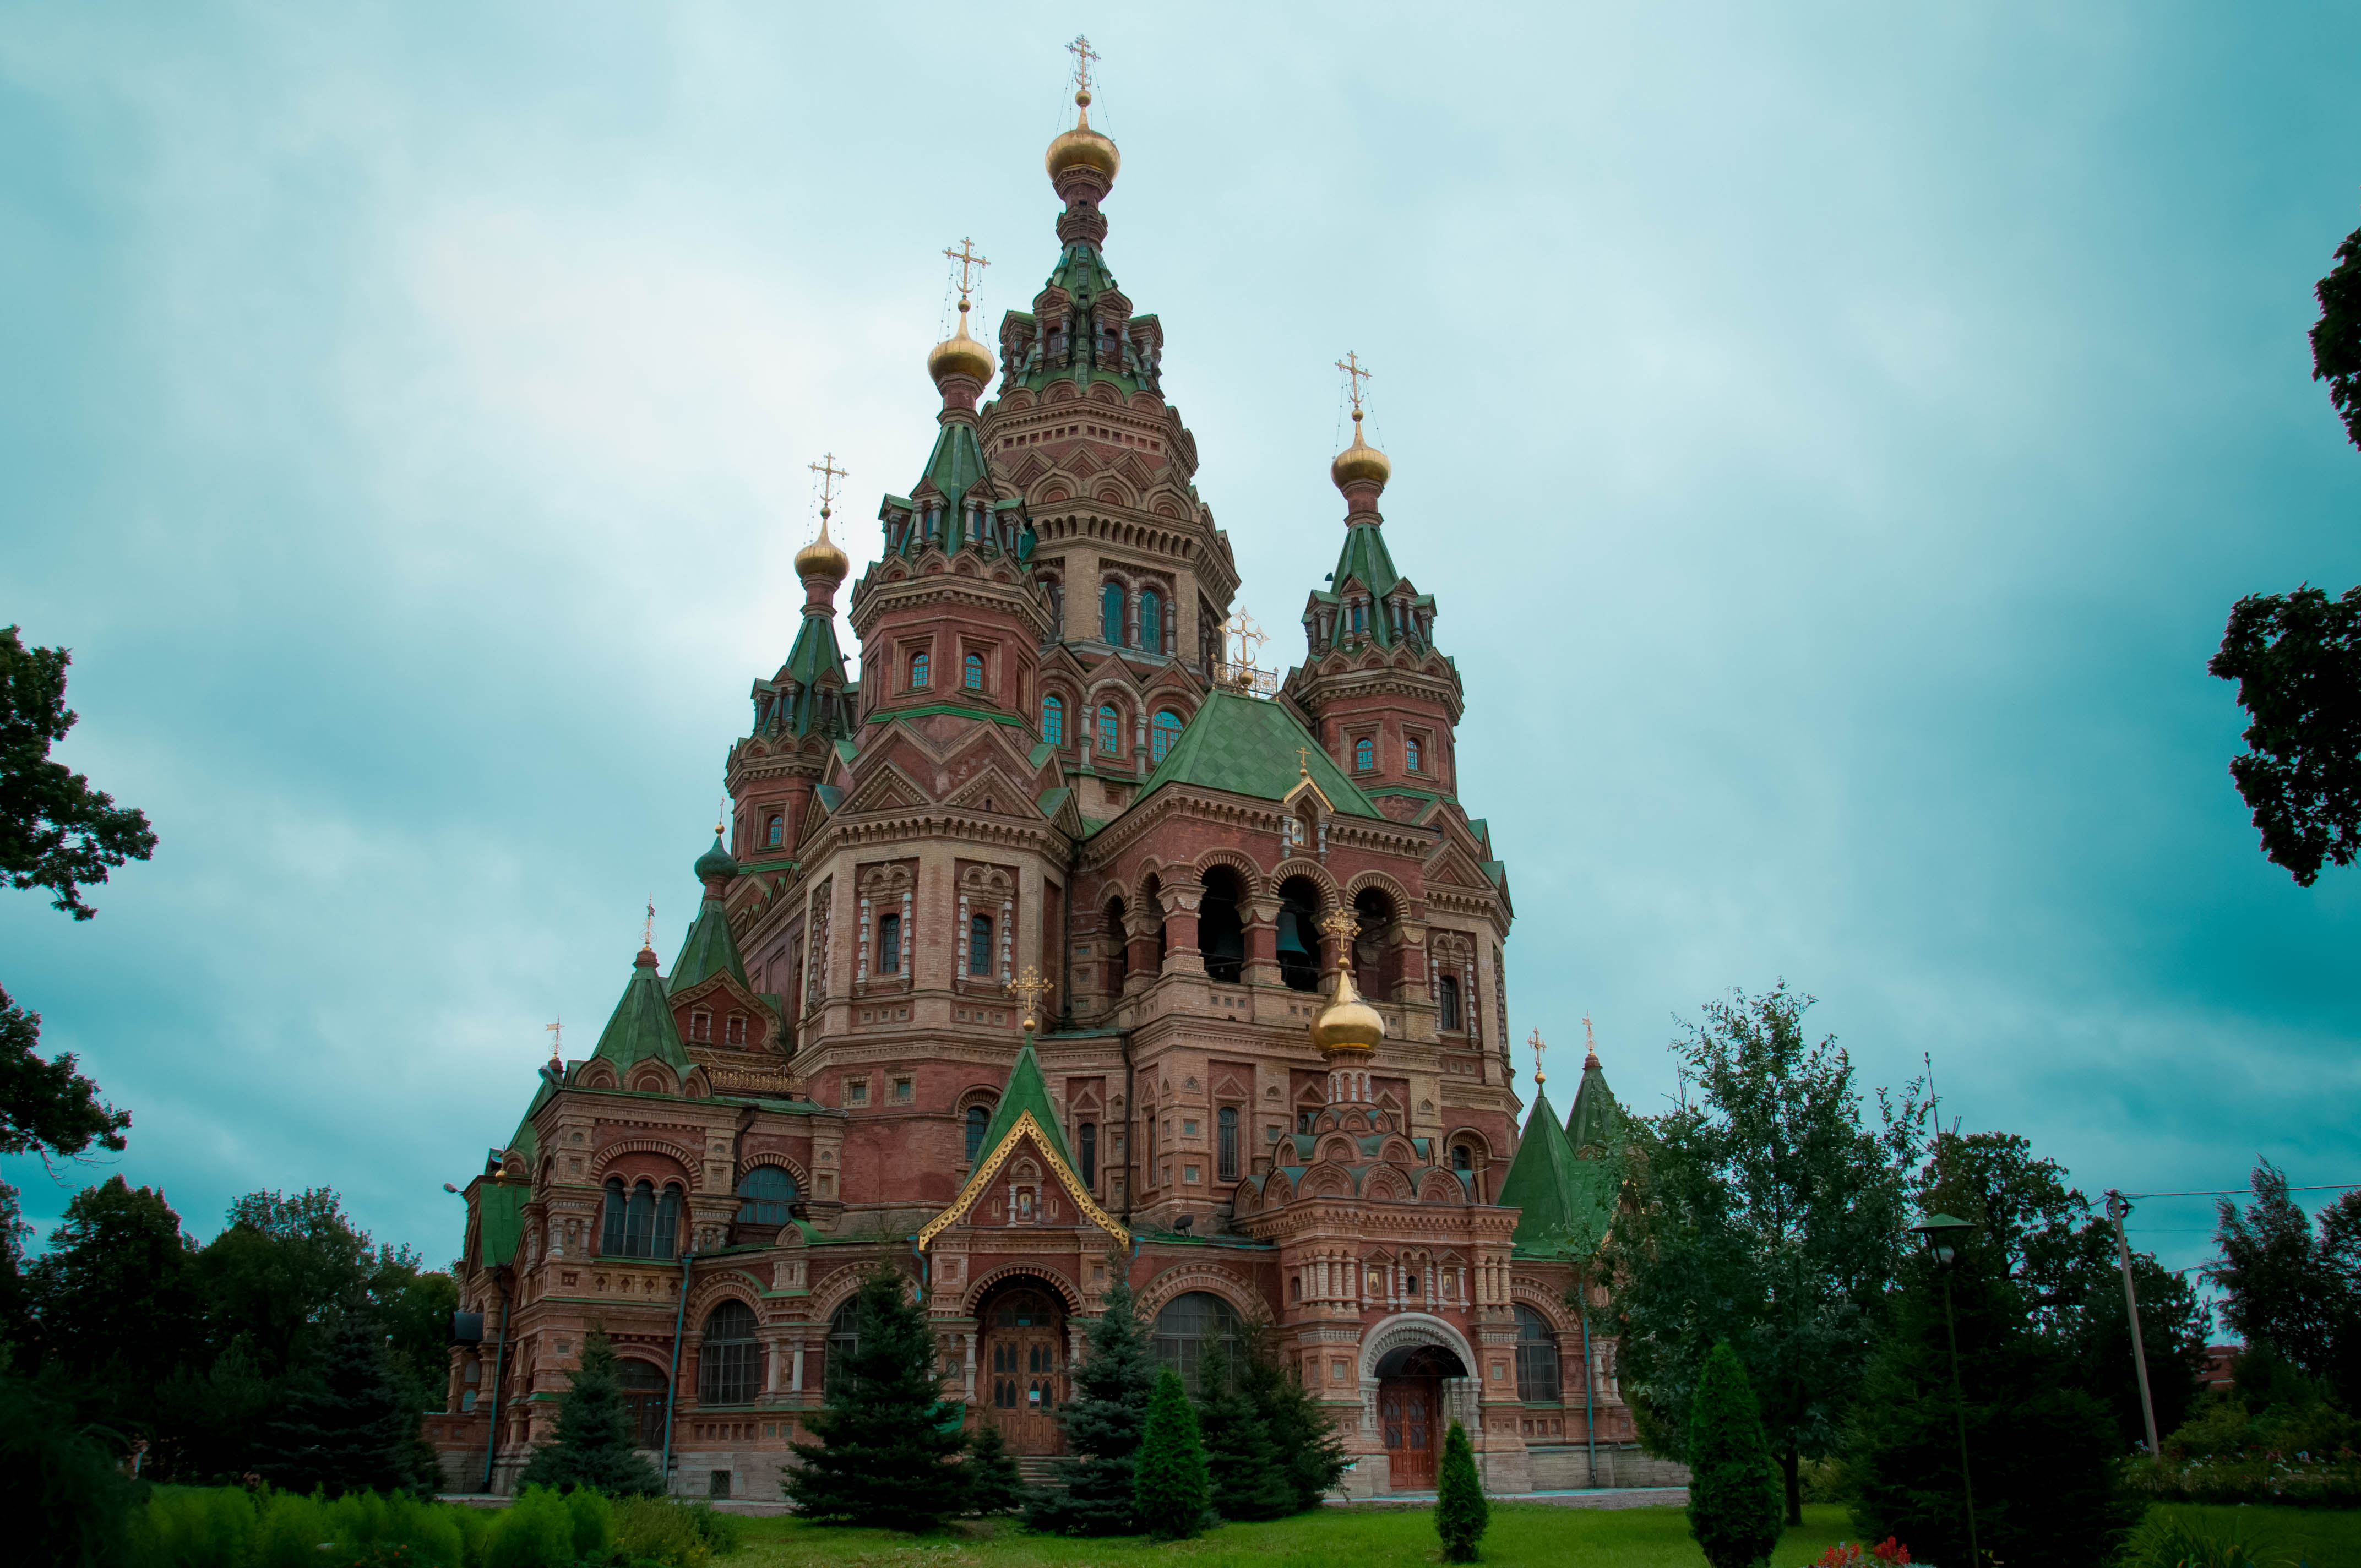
(1566, 1202)
(1027, 1090)
(1251, 746)
(1596, 1121)
(641, 1026)
(708, 950)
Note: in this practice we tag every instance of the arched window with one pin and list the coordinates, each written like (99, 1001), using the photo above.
(644, 1395)
(1447, 999)
(1226, 1166)
(917, 671)
(1053, 720)
(667, 1224)
(1152, 621)
(778, 831)
(1111, 614)
(638, 1223)
(728, 1361)
(610, 1237)
(979, 1117)
(1197, 1336)
(1299, 934)
(764, 1193)
(1462, 1157)
(1409, 755)
(1161, 733)
(1220, 932)
(843, 1342)
(1364, 754)
(973, 674)
(1537, 1380)
(979, 947)
(1090, 1141)
(889, 944)
(1118, 946)
(1110, 730)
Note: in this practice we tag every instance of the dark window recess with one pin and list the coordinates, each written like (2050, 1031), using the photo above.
(889, 944)
(765, 1194)
(1090, 1142)
(1446, 996)
(1227, 1124)
(1221, 930)
(729, 1360)
(978, 1118)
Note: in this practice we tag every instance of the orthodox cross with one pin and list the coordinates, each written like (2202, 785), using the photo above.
(1351, 365)
(1589, 1043)
(556, 1038)
(1029, 988)
(1084, 54)
(968, 262)
(1539, 1046)
(1340, 924)
(1303, 760)
(829, 475)
(648, 932)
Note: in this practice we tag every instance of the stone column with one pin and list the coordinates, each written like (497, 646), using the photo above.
(1409, 939)
(795, 1384)
(1139, 967)
(1180, 954)
(1261, 911)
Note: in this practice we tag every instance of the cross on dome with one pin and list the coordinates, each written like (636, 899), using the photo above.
(1084, 54)
(969, 263)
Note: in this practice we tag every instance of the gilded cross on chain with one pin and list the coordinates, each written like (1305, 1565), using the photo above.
(1539, 1046)
(1029, 988)
(829, 475)
(969, 261)
(1351, 365)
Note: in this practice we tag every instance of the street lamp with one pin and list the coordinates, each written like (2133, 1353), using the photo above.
(1944, 1235)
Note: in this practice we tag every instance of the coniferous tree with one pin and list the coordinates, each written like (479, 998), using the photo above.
(1250, 1480)
(1092, 1492)
(596, 1445)
(1733, 1489)
(994, 1485)
(2041, 1450)
(890, 1441)
(1169, 1487)
(344, 1428)
(1311, 1450)
(1461, 1513)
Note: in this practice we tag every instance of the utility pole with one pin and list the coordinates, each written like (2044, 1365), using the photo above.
(2117, 1207)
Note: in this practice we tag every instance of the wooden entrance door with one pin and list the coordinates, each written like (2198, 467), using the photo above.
(1407, 1408)
(1021, 1370)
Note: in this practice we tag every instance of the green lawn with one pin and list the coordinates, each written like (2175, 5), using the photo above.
(1390, 1538)
(1361, 1537)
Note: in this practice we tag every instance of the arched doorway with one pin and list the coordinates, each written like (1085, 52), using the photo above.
(1410, 1411)
(1020, 1376)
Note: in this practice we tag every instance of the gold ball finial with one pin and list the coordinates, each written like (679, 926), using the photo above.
(821, 558)
(959, 355)
(1360, 463)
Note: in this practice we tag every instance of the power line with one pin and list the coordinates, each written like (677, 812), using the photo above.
(2245, 1191)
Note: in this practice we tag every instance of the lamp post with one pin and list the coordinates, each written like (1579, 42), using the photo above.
(1944, 1234)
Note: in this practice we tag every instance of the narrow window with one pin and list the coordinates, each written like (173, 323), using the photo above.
(1365, 755)
(1090, 1142)
(1152, 621)
(1447, 993)
(1110, 724)
(978, 1118)
(975, 673)
(917, 672)
(1360, 616)
(778, 831)
(1409, 755)
(1537, 1375)
(611, 1236)
(1111, 614)
(1053, 720)
(1228, 1123)
(1161, 733)
(889, 944)
(979, 947)
(667, 1222)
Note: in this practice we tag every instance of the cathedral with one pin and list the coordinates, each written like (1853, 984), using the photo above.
(1065, 946)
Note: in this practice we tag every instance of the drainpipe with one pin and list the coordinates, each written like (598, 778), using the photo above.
(499, 1361)
(1590, 1409)
(1130, 1126)
(672, 1386)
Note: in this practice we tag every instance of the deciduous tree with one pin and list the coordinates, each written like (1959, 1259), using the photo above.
(2290, 1288)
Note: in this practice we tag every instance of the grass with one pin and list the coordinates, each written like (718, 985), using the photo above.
(2326, 1537)
(1361, 1537)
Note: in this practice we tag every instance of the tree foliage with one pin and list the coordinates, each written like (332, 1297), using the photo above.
(2297, 659)
(1461, 1512)
(1092, 1492)
(2042, 1451)
(890, 1441)
(56, 832)
(1270, 1447)
(1768, 1215)
(993, 1482)
(1171, 1491)
(113, 1299)
(597, 1442)
(2336, 337)
(1733, 1489)
(46, 1107)
(2293, 1289)
(343, 1427)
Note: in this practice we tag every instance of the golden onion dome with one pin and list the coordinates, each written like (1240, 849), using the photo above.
(1348, 1023)
(822, 558)
(1083, 148)
(959, 355)
(1360, 461)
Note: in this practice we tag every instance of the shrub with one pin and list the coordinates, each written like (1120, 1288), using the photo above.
(66, 1501)
(193, 1527)
(593, 1522)
(1735, 1508)
(1170, 1490)
(1461, 1513)
(534, 1532)
(994, 1485)
(2166, 1541)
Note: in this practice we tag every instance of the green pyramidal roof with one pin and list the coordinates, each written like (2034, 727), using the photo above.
(1251, 746)
(641, 1026)
(708, 950)
(814, 659)
(1566, 1202)
(956, 466)
(1597, 1120)
(1027, 1090)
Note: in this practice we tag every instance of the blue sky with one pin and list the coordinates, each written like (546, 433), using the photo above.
(1834, 435)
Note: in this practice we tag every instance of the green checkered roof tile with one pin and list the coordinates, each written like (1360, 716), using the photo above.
(1248, 746)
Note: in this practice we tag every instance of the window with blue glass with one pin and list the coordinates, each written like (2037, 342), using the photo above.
(979, 946)
(1053, 721)
(917, 671)
(1360, 616)
(1410, 754)
(1151, 621)
(979, 1118)
(1111, 613)
(889, 944)
(765, 1194)
(973, 673)
(1110, 728)
(1364, 754)
(1162, 733)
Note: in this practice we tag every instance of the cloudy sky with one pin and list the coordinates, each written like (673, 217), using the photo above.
(1834, 434)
